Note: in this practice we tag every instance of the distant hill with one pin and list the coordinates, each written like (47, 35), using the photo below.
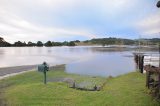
(3, 43)
(121, 41)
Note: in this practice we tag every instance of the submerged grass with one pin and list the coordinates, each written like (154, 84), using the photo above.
(28, 90)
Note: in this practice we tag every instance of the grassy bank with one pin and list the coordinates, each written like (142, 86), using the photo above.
(28, 90)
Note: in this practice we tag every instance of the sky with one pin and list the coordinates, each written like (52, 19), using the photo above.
(66, 20)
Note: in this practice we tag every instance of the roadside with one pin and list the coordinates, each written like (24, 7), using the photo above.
(12, 71)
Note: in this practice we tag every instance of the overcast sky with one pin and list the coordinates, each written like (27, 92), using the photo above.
(59, 20)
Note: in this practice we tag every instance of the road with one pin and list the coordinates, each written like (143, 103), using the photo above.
(9, 71)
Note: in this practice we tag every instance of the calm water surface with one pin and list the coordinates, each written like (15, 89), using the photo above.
(79, 60)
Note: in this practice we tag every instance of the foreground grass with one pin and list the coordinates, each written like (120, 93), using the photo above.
(28, 90)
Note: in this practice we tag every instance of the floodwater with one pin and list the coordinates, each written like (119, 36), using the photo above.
(78, 60)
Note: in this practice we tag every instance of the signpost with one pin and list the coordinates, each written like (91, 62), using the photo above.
(44, 68)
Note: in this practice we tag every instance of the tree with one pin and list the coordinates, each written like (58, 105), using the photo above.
(71, 43)
(19, 44)
(3, 43)
(57, 44)
(39, 44)
(158, 4)
(31, 44)
(76, 41)
(65, 43)
(1, 39)
(48, 44)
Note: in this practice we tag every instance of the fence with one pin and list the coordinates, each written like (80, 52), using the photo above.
(153, 80)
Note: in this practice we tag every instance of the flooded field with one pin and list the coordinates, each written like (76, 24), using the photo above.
(96, 61)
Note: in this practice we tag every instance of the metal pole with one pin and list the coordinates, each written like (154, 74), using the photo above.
(159, 55)
(139, 44)
(45, 77)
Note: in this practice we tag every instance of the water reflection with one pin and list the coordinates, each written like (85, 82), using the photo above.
(1, 52)
(82, 60)
(106, 64)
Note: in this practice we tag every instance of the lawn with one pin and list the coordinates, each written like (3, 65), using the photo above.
(28, 90)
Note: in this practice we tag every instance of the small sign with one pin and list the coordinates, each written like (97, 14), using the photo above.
(44, 68)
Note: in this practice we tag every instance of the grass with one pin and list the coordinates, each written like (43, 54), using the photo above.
(28, 90)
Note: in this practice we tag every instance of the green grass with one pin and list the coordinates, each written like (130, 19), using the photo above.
(28, 90)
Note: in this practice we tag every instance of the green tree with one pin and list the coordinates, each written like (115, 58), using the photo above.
(3, 43)
(71, 43)
(1, 39)
(57, 44)
(48, 44)
(39, 44)
(19, 44)
(65, 43)
(31, 44)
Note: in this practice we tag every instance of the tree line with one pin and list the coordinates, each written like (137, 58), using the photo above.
(47, 44)
(97, 41)
(3, 43)
(121, 41)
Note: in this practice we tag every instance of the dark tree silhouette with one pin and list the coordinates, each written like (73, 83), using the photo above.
(1, 39)
(3, 43)
(31, 44)
(158, 4)
(19, 44)
(48, 44)
(77, 41)
(39, 44)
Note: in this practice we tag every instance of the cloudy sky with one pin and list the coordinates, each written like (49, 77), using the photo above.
(59, 20)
